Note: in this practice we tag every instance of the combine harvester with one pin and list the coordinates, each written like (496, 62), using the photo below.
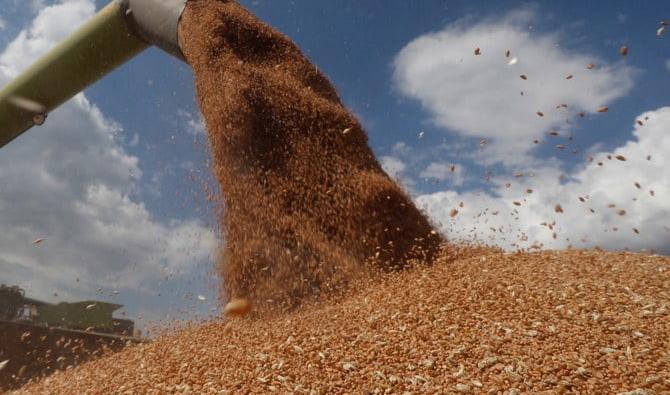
(40, 337)
(89, 316)
(119, 32)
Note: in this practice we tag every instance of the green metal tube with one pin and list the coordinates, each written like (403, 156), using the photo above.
(98, 47)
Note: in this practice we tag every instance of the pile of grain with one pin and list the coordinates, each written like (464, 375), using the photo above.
(307, 207)
(550, 322)
(306, 203)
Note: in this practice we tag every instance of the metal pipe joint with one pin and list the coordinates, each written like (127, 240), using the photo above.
(156, 22)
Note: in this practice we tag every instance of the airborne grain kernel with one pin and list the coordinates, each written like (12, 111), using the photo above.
(237, 307)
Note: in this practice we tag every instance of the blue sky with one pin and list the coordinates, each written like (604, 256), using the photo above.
(404, 68)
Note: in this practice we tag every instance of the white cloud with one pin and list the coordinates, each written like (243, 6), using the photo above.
(71, 182)
(194, 124)
(392, 165)
(401, 149)
(134, 141)
(3, 24)
(479, 96)
(395, 166)
(52, 24)
(441, 171)
(38, 4)
(493, 217)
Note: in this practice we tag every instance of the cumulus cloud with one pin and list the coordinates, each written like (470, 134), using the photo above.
(71, 183)
(52, 24)
(440, 171)
(625, 201)
(397, 167)
(392, 165)
(480, 96)
(193, 123)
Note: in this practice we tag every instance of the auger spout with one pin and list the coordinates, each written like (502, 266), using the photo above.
(116, 34)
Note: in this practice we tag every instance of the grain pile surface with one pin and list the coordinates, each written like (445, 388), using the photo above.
(308, 209)
(549, 322)
(306, 204)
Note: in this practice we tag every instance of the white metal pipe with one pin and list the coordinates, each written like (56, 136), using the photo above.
(157, 21)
